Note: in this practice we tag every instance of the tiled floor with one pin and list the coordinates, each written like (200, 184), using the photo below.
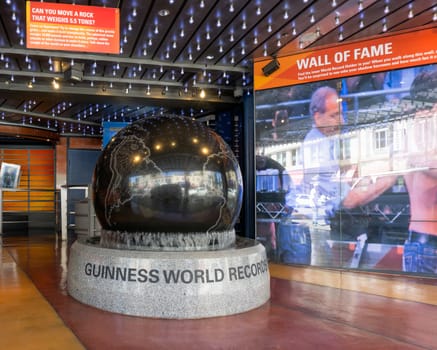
(37, 313)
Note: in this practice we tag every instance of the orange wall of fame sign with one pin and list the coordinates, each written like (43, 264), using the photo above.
(379, 54)
(65, 27)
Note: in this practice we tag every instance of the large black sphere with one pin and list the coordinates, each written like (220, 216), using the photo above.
(167, 174)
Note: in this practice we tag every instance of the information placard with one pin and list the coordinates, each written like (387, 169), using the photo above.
(378, 54)
(65, 27)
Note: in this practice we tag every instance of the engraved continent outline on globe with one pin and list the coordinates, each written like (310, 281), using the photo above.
(167, 182)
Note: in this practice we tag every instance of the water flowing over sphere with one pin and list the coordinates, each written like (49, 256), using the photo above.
(167, 174)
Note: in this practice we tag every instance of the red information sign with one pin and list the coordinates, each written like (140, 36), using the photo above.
(66, 27)
(380, 54)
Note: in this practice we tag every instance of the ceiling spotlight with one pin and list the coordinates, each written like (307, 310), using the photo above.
(360, 5)
(163, 12)
(55, 84)
(312, 18)
(258, 11)
(334, 3)
(202, 94)
(386, 9)
(300, 43)
(30, 85)
(410, 12)
(148, 90)
(219, 22)
(202, 4)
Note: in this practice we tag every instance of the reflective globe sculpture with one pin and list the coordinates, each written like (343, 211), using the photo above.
(167, 183)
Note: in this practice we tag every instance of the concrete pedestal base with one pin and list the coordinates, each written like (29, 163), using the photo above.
(179, 285)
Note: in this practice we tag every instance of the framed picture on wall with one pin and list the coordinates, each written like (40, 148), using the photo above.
(9, 175)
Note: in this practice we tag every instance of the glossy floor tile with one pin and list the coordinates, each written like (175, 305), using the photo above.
(299, 315)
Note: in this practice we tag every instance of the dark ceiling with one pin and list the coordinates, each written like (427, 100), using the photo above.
(165, 61)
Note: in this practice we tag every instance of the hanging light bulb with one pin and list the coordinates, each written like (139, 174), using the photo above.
(410, 12)
(285, 14)
(300, 44)
(218, 23)
(386, 9)
(334, 3)
(312, 18)
(384, 25)
(360, 5)
(258, 11)
(231, 7)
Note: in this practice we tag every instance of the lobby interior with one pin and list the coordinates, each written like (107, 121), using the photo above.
(310, 307)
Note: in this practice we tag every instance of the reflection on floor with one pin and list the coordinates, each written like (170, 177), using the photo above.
(37, 313)
(328, 252)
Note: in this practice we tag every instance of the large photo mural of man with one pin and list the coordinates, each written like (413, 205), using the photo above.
(361, 153)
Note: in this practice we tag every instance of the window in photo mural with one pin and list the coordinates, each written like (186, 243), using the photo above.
(346, 171)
